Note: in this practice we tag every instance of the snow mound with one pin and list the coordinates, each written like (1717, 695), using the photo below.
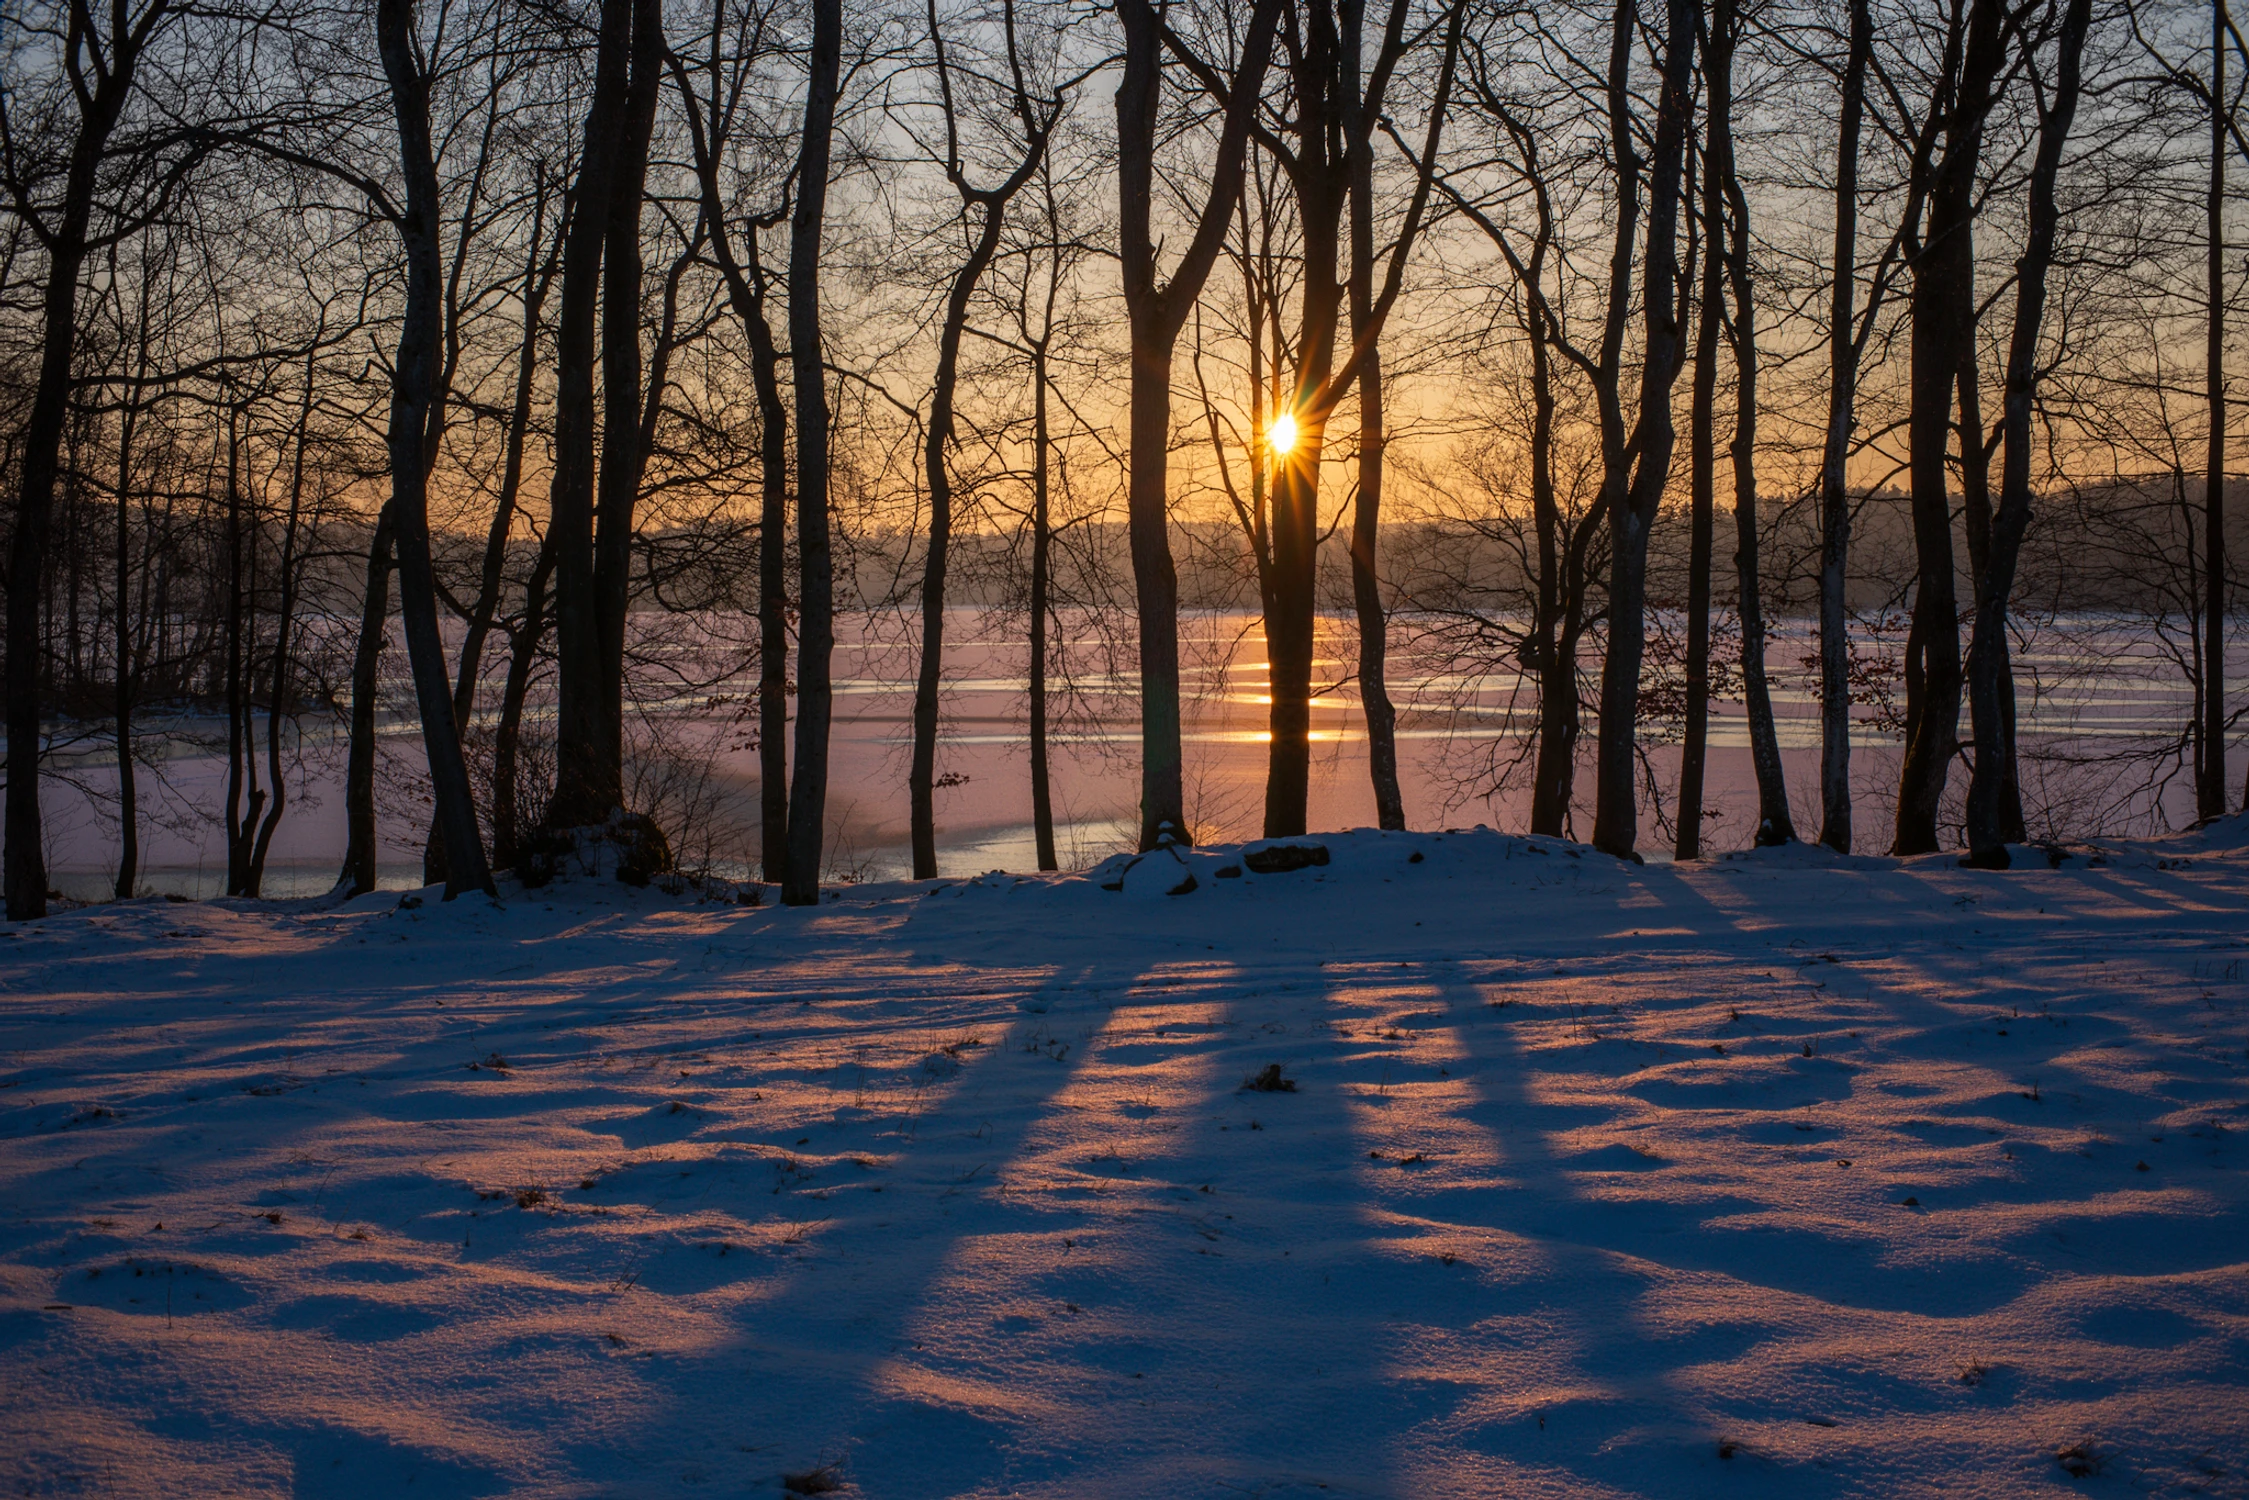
(1163, 871)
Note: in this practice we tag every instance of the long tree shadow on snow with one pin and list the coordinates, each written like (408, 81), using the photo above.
(820, 1370)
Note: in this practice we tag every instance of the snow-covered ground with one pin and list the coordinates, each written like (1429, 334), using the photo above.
(1783, 1175)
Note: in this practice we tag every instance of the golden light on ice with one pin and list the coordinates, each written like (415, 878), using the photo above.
(1281, 436)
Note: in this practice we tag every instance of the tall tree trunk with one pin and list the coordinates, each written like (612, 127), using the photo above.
(413, 400)
(816, 631)
(773, 587)
(127, 681)
(624, 430)
(23, 864)
(1331, 124)
(579, 731)
(1702, 489)
(2210, 768)
(1835, 452)
(1943, 332)
(1616, 813)
(1562, 576)
(746, 290)
(1988, 675)
(1366, 598)
(1558, 616)
(507, 733)
(1976, 515)
(278, 686)
(1042, 566)
(360, 851)
(1774, 823)
(921, 776)
(1156, 314)
(1293, 616)
(1366, 513)
(241, 739)
(128, 797)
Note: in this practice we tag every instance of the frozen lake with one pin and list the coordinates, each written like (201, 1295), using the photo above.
(2088, 688)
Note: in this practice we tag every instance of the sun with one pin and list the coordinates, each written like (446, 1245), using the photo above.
(1281, 436)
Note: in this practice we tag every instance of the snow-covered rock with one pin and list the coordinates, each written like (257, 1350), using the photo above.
(1162, 871)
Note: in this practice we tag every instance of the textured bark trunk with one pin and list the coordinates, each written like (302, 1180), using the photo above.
(278, 687)
(23, 863)
(23, 866)
(1292, 619)
(1616, 813)
(1977, 519)
(1943, 332)
(1989, 679)
(1702, 490)
(241, 744)
(1835, 451)
(1775, 825)
(1156, 314)
(624, 434)
(1550, 650)
(808, 794)
(359, 873)
(921, 775)
(1554, 769)
(773, 590)
(507, 732)
(579, 734)
(1042, 564)
(413, 399)
(746, 291)
(1330, 168)
(1156, 598)
(1290, 630)
(127, 666)
(2210, 769)
(1366, 513)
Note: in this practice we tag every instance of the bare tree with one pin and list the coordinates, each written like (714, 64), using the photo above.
(99, 52)
(1844, 345)
(586, 790)
(2210, 761)
(1633, 510)
(1941, 254)
(1987, 660)
(1329, 126)
(1158, 312)
(714, 121)
(412, 440)
(1036, 118)
(816, 634)
(1727, 22)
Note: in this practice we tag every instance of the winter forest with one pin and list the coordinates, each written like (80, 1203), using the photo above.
(695, 689)
(460, 427)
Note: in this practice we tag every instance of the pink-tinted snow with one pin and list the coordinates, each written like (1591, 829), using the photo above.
(1782, 1175)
